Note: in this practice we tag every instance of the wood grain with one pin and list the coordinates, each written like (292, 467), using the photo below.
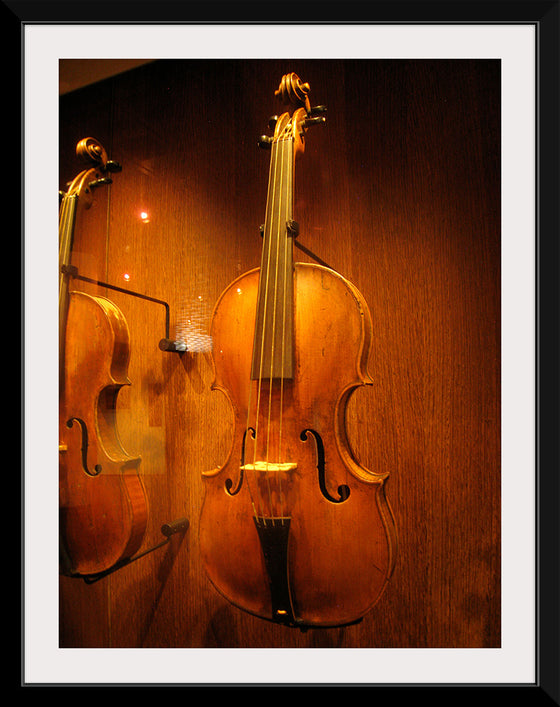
(400, 193)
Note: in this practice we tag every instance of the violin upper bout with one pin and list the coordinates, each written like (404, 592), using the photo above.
(335, 320)
(97, 319)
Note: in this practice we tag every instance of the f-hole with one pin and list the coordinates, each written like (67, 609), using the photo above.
(229, 483)
(343, 490)
(85, 443)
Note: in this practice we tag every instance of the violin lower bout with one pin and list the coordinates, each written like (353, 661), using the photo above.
(328, 567)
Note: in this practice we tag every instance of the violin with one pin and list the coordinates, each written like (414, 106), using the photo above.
(292, 528)
(102, 504)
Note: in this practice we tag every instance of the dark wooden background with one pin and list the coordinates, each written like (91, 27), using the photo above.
(400, 193)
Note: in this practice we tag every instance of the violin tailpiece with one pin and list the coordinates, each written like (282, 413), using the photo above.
(274, 537)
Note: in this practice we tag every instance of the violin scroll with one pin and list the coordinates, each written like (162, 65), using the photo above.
(91, 151)
(292, 91)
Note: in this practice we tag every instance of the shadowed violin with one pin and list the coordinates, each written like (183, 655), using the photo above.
(293, 529)
(102, 505)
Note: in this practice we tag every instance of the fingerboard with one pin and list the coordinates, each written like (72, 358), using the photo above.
(67, 217)
(273, 346)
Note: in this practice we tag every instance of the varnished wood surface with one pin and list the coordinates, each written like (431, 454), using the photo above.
(103, 508)
(400, 193)
(102, 505)
(341, 544)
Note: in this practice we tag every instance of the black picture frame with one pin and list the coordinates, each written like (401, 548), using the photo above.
(15, 14)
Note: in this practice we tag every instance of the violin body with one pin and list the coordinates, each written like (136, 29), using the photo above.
(293, 529)
(103, 511)
(102, 505)
(340, 553)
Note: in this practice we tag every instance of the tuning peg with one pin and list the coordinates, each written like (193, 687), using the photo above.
(272, 121)
(317, 110)
(319, 120)
(265, 142)
(113, 166)
(315, 116)
(97, 182)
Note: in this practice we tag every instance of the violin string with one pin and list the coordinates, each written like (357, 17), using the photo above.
(66, 219)
(61, 229)
(245, 442)
(62, 281)
(278, 234)
(278, 212)
(265, 259)
(64, 244)
(286, 275)
(277, 231)
(263, 281)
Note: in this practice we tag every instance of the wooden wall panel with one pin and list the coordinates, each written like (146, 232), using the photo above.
(400, 193)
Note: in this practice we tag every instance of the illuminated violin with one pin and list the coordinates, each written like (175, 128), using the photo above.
(293, 529)
(102, 504)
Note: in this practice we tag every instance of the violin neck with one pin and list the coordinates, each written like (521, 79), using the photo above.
(273, 347)
(67, 219)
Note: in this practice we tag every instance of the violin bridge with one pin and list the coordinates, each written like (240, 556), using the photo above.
(271, 467)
